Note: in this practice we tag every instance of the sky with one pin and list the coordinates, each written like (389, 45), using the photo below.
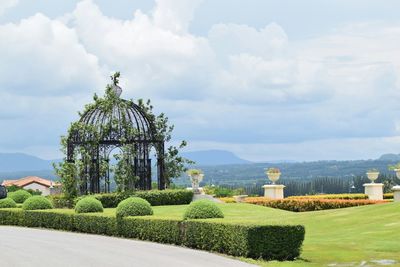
(266, 79)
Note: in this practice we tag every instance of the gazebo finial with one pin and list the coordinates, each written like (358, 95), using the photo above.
(115, 79)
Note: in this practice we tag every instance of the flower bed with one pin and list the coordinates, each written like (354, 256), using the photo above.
(270, 242)
(301, 205)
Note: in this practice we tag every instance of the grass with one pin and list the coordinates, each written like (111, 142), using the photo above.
(342, 236)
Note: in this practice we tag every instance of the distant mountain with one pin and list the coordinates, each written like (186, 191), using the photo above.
(214, 157)
(17, 162)
(390, 157)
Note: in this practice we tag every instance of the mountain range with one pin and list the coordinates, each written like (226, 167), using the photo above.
(16, 165)
(219, 166)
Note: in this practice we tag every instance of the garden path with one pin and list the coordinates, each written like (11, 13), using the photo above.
(35, 247)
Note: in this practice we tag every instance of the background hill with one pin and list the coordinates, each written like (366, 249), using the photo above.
(214, 157)
(16, 162)
(220, 168)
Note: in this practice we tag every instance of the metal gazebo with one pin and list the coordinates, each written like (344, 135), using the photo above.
(117, 123)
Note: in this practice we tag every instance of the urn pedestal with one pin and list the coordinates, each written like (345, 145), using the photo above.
(374, 191)
(274, 191)
(196, 179)
(396, 193)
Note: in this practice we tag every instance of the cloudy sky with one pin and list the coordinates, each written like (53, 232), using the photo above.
(265, 79)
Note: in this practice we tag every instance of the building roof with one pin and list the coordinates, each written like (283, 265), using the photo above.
(30, 180)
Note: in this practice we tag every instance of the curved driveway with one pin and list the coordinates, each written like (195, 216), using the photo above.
(22, 247)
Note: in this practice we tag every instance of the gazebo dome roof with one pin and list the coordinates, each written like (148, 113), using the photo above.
(124, 120)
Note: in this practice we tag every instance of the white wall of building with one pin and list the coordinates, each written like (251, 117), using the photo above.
(34, 186)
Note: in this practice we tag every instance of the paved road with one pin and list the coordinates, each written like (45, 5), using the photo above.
(22, 247)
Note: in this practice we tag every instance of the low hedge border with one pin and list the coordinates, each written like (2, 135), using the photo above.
(331, 196)
(270, 242)
(154, 197)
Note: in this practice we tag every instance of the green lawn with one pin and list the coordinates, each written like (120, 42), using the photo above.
(343, 236)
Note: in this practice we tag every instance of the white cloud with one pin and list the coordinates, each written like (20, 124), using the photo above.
(151, 53)
(7, 4)
(236, 85)
(40, 56)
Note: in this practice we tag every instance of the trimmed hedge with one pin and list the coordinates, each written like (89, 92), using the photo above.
(202, 209)
(331, 196)
(134, 206)
(20, 196)
(154, 197)
(7, 203)
(166, 197)
(271, 242)
(388, 196)
(88, 204)
(37, 203)
(301, 205)
(111, 200)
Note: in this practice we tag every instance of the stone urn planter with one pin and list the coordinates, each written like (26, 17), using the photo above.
(273, 174)
(196, 176)
(372, 190)
(372, 175)
(397, 171)
(396, 193)
(273, 191)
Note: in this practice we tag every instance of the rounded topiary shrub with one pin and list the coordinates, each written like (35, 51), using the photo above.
(7, 203)
(203, 209)
(88, 204)
(134, 206)
(37, 203)
(20, 196)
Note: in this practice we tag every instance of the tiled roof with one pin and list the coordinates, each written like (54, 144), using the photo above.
(29, 180)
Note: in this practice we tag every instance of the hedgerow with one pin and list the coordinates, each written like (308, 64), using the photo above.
(271, 242)
(301, 205)
(154, 197)
(332, 196)
(388, 196)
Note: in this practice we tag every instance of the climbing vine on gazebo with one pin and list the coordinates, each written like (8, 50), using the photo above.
(111, 123)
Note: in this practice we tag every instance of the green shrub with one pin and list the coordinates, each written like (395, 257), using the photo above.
(60, 201)
(37, 203)
(88, 204)
(202, 209)
(134, 206)
(7, 203)
(219, 191)
(271, 242)
(20, 195)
